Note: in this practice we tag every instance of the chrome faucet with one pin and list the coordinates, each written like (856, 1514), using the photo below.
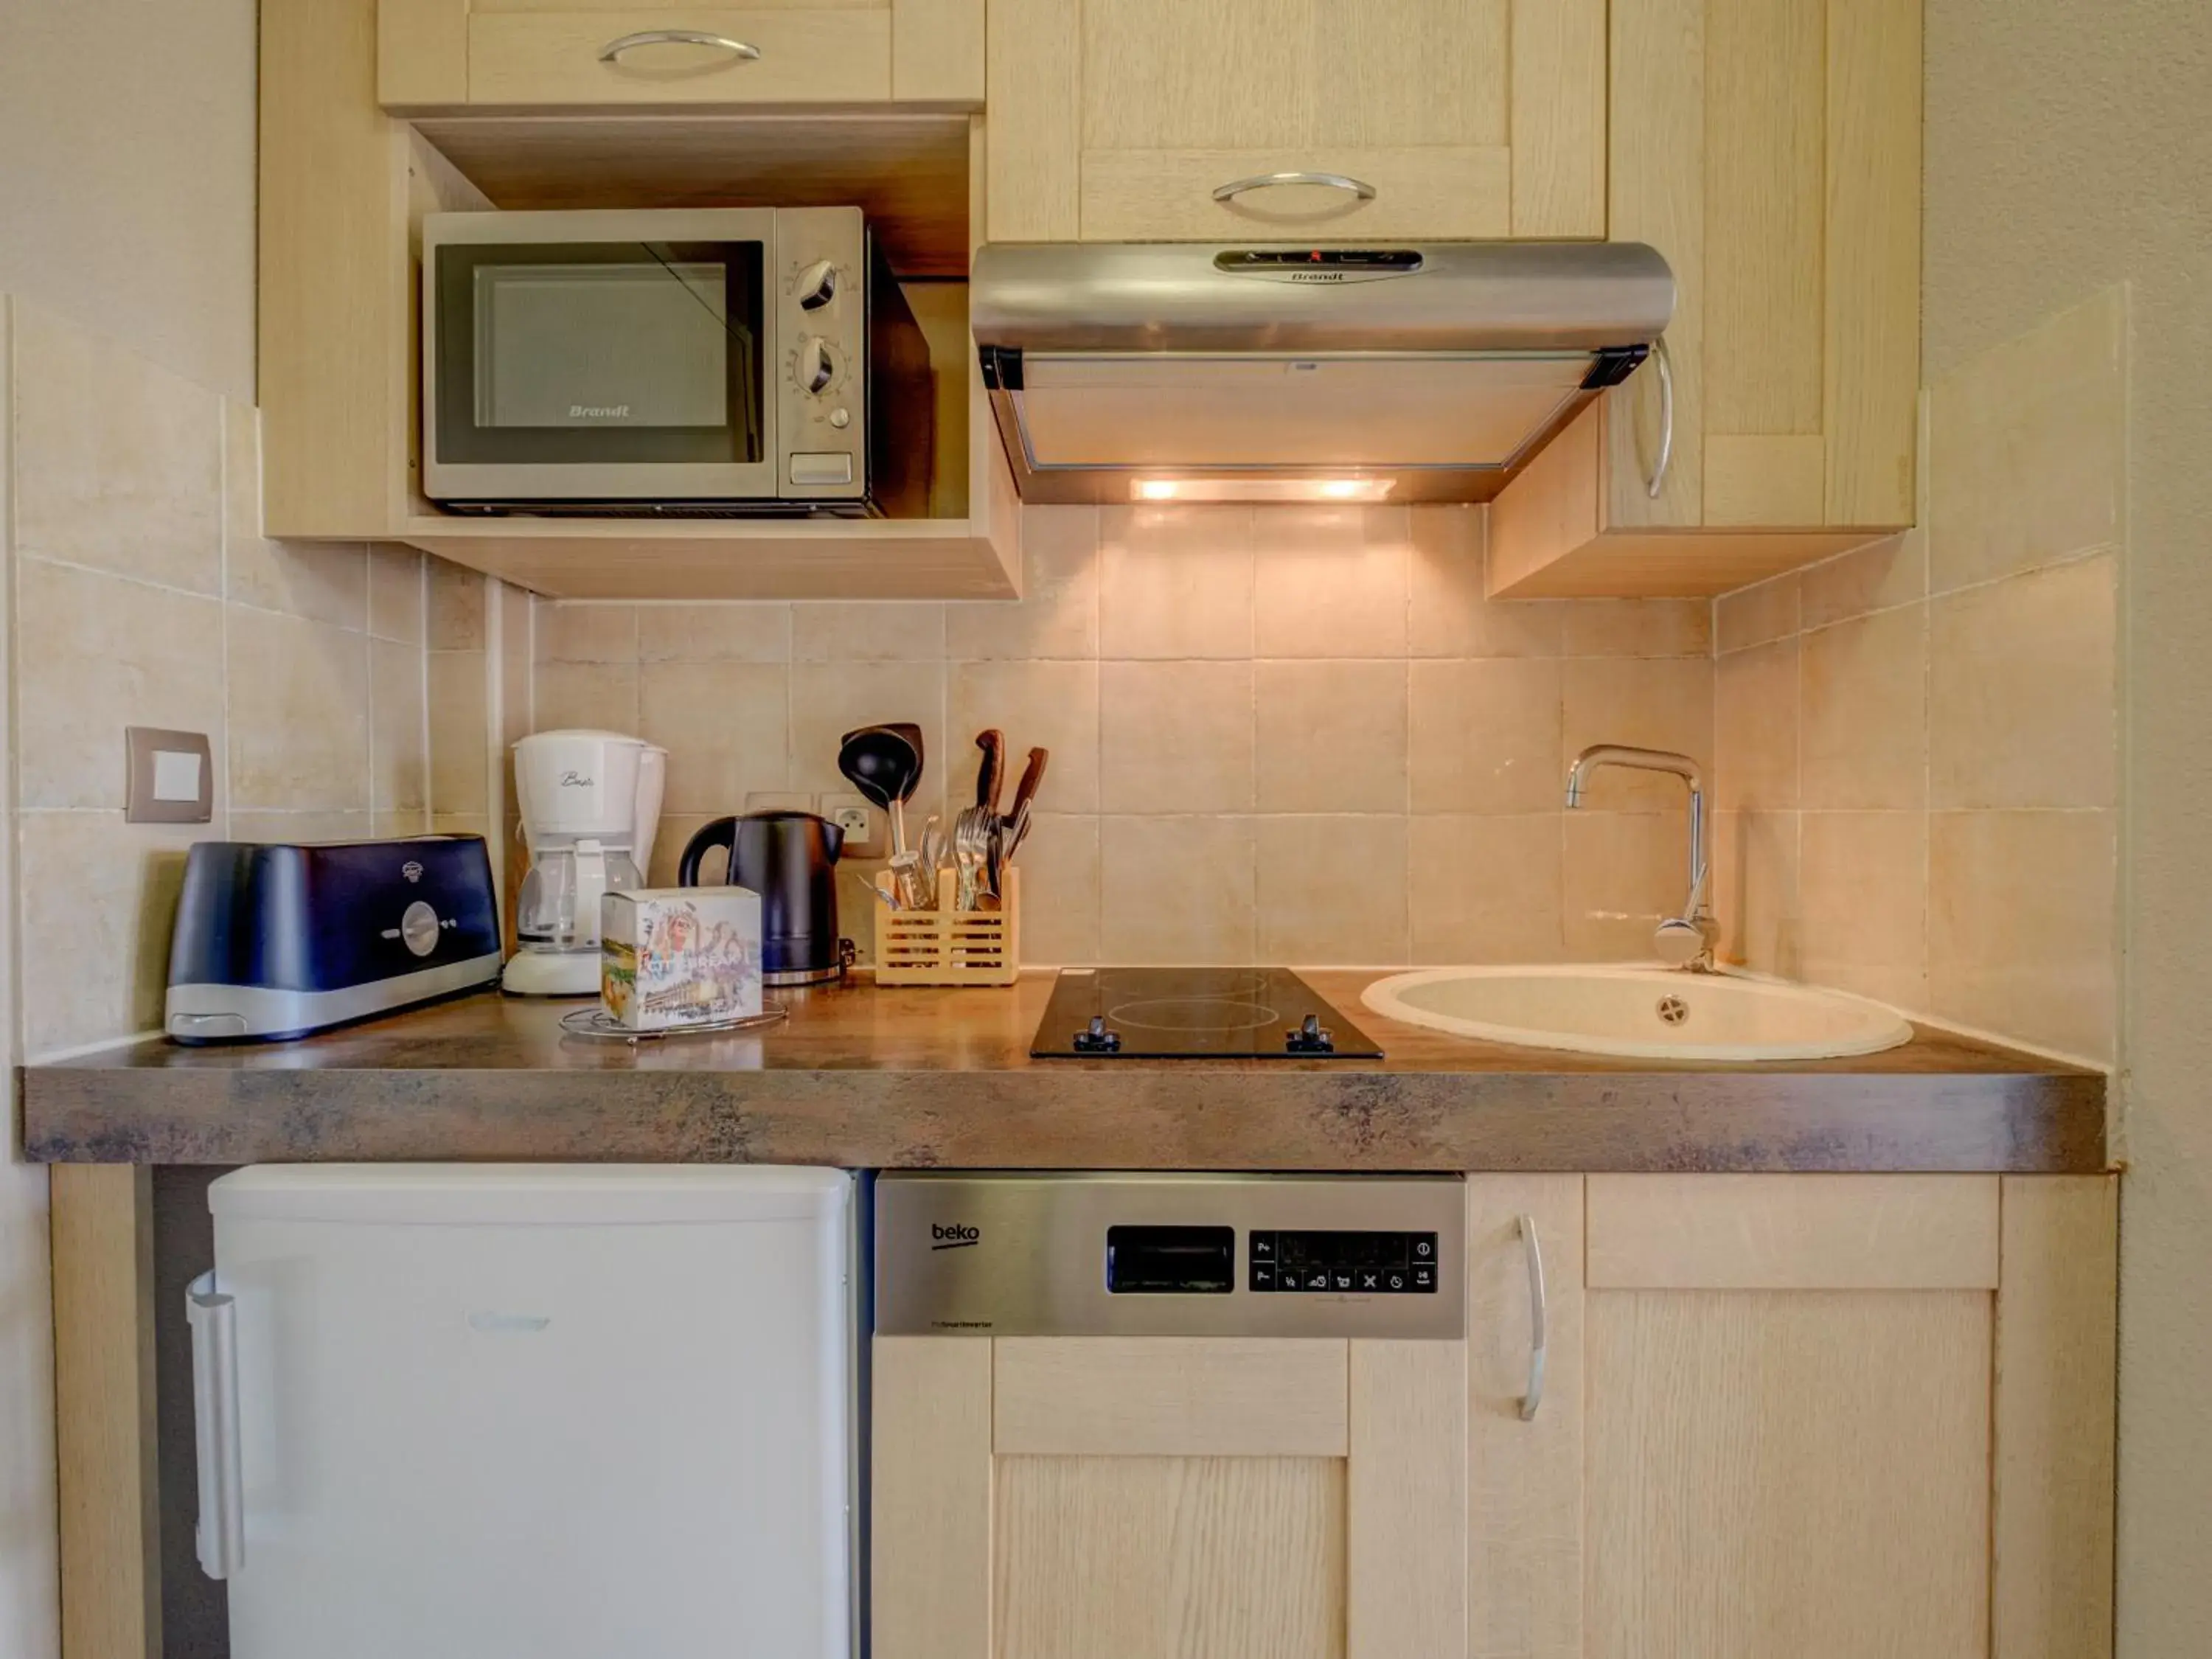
(1686, 940)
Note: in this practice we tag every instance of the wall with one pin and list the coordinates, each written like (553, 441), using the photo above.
(1278, 734)
(1916, 744)
(2068, 150)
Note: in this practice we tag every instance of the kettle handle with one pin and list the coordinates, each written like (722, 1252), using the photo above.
(722, 832)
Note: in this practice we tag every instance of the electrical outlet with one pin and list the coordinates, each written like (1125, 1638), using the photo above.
(857, 819)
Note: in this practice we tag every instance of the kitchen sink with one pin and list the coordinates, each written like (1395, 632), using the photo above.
(1639, 1014)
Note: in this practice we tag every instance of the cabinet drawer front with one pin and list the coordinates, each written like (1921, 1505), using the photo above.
(805, 56)
(1137, 195)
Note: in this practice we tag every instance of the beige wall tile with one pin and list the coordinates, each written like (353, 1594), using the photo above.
(1176, 890)
(830, 699)
(1651, 702)
(1485, 889)
(1890, 573)
(395, 592)
(1059, 863)
(1332, 890)
(586, 632)
(1640, 627)
(1447, 615)
(98, 897)
(1329, 581)
(724, 726)
(1622, 874)
(1864, 732)
(118, 463)
(299, 714)
(299, 826)
(2027, 447)
(713, 632)
(1753, 616)
(674, 833)
(1050, 705)
(1755, 727)
(95, 653)
(455, 606)
(594, 696)
(1332, 736)
(1485, 736)
(868, 632)
(1175, 581)
(1057, 614)
(1176, 736)
(2023, 691)
(1756, 890)
(460, 771)
(399, 753)
(2021, 928)
(1863, 879)
(328, 581)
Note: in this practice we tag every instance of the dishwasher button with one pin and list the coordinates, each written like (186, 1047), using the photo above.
(1316, 1278)
(1425, 1278)
(1395, 1279)
(1263, 1276)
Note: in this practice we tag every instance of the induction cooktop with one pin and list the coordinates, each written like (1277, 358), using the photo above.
(1194, 1013)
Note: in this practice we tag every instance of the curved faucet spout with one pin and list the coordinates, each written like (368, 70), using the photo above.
(1688, 939)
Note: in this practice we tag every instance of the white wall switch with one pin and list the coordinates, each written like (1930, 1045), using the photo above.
(169, 776)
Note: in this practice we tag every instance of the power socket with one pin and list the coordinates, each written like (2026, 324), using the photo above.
(853, 815)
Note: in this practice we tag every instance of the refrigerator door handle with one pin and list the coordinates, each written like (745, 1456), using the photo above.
(220, 1534)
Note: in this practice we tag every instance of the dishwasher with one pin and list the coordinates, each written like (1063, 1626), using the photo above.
(1170, 1414)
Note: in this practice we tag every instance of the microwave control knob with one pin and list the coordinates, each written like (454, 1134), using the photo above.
(816, 367)
(817, 285)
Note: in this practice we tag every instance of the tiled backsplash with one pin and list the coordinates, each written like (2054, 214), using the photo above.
(1280, 734)
(1918, 742)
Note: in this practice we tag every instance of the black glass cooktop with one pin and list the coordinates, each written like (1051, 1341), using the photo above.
(1194, 1013)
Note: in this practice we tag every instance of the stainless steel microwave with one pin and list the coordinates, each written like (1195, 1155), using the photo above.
(720, 360)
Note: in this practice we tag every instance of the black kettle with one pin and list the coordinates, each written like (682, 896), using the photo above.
(790, 860)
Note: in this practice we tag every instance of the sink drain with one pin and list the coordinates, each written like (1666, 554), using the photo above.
(1674, 1010)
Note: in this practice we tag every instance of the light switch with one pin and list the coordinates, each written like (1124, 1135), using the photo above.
(170, 777)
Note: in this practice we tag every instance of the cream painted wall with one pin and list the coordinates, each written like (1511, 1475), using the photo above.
(2067, 149)
(127, 175)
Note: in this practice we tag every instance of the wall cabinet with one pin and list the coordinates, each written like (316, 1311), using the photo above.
(557, 53)
(1771, 149)
(1122, 120)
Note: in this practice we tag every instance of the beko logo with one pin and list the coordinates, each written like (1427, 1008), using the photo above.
(954, 1238)
(575, 781)
(598, 411)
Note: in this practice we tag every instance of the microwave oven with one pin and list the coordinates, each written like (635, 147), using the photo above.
(711, 361)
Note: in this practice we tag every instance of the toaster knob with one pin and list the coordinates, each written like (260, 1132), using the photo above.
(816, 367)
(817, 285)
(418, 929)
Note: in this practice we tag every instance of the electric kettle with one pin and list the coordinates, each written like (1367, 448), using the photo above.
(790, 860)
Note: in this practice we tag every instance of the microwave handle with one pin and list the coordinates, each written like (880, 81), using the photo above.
(611, 52)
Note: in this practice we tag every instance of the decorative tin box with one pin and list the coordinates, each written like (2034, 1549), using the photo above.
(680, 956)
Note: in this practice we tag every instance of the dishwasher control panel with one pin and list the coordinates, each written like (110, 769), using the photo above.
(1054, 1255)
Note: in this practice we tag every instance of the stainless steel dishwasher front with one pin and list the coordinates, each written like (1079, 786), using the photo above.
(1136, 1254)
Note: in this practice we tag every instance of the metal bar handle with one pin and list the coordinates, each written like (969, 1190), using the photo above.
(1345, 181)
(1666, 417)
(613, 51)
(1535, 1251)
(219, 1537)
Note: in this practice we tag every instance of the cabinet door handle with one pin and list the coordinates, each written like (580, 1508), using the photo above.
(219, 1537)
(1535, 1252)
(611, 52)
(1344, 181)
(1666, 416)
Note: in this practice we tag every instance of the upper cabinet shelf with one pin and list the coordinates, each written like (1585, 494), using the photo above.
(554, 54)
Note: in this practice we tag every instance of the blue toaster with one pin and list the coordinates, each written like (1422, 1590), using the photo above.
(275, 939)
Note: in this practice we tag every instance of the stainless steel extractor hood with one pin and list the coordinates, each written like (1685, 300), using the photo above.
(1171, 371)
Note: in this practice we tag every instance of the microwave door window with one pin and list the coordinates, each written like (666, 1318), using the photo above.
(610, 353)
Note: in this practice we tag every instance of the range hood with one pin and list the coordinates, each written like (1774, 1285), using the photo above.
(1169, 371)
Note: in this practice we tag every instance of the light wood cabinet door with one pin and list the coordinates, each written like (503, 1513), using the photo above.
(583, 53)
(1120, 119)
(1179, 1498)
(1824, 1416)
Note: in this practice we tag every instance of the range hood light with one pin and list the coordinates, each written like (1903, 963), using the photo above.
(1261, 489)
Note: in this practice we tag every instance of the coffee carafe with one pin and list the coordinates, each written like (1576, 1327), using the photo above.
(589, 805)
(790, 860)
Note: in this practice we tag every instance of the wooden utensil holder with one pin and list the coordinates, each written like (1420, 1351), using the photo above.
(947, 946)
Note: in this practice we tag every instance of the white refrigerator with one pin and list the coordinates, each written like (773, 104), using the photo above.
(517, 1412)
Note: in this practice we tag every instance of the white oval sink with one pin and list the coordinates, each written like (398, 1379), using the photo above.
(1639, 1014)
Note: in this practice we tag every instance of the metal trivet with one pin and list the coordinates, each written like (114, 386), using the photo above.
(601, 1026)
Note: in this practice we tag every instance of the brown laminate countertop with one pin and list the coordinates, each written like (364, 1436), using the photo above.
(888, 1078)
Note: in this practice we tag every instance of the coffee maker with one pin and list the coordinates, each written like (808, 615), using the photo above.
(590, 802)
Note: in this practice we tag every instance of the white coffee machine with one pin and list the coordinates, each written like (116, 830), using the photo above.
(590, 802)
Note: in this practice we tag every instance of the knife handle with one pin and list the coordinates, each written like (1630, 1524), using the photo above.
(993, 745)
(1032, 775)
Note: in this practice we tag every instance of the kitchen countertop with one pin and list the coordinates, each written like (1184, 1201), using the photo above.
(887, 1078)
